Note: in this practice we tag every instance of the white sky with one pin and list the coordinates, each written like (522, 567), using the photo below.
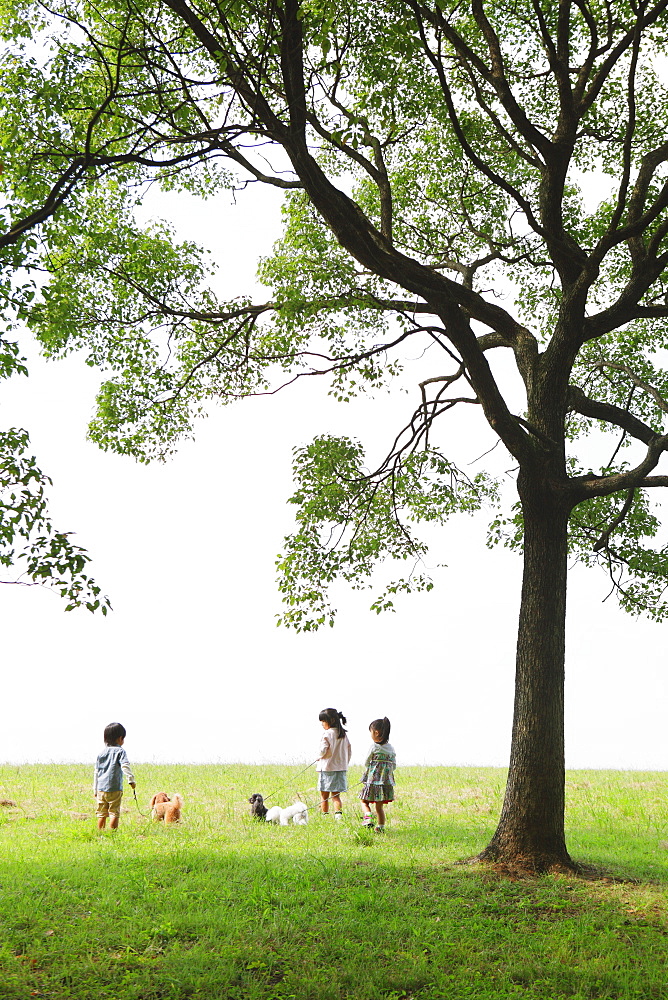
(191, 661)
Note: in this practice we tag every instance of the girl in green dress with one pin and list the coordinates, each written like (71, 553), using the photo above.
(378, 777)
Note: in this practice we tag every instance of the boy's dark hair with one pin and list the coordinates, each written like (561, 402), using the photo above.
(382, 727)
(113, 733)
(335, 719)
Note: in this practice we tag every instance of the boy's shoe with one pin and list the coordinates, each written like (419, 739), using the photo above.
(367, 821)
(338, 816)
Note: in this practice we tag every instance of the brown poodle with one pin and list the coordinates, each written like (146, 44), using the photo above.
(162, 807)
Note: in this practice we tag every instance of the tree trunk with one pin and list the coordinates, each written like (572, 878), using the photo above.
(530, 833)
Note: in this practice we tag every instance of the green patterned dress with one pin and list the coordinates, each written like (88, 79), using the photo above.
(378, 777)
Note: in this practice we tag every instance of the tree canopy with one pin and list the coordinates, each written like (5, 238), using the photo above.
(470, 178)
(34, 187)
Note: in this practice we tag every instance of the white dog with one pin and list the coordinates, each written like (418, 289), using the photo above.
(297, 812)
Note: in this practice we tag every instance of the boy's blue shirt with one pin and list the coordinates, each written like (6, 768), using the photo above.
(109, 768)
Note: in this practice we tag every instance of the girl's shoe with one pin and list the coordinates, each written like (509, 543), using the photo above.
(379, 829)
(367, 821)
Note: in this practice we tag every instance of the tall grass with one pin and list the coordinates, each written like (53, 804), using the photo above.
(223, 907)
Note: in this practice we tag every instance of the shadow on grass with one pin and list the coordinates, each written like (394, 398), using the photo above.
(333, 914)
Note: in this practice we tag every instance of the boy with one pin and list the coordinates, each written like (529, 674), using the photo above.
(110, 767)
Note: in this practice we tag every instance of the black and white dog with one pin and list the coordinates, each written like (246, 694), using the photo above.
(258, 808)
(297, 812)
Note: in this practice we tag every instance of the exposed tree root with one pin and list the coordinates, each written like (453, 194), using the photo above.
(531, 866)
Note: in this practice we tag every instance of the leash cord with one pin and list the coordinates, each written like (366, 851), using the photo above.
(134, 792)
(275, 791)
(288, 783)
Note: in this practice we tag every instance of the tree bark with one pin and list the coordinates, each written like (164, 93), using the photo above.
(530, 833)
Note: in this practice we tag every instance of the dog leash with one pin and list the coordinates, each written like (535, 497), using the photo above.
(288, 783)
(134, 792)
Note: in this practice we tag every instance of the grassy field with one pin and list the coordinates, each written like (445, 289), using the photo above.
(221, 907)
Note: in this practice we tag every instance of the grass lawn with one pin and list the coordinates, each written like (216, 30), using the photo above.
(222, 907)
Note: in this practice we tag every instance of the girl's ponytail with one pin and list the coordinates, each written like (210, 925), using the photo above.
(340, 724)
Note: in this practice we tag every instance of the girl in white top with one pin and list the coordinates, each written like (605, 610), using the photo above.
(332, 764)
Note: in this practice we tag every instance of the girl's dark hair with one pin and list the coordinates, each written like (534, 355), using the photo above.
(335, 719)
(113, 733)
(382, 727)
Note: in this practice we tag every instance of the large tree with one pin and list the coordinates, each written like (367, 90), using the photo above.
(474, 178)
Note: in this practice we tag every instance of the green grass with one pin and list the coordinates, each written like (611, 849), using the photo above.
(221, 907)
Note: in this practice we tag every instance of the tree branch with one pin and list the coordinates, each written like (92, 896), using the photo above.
(589, 486)
(605, 70)
(58, 194)
(640, 383)
(652, 481)
(610, 414)
(614, 524)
